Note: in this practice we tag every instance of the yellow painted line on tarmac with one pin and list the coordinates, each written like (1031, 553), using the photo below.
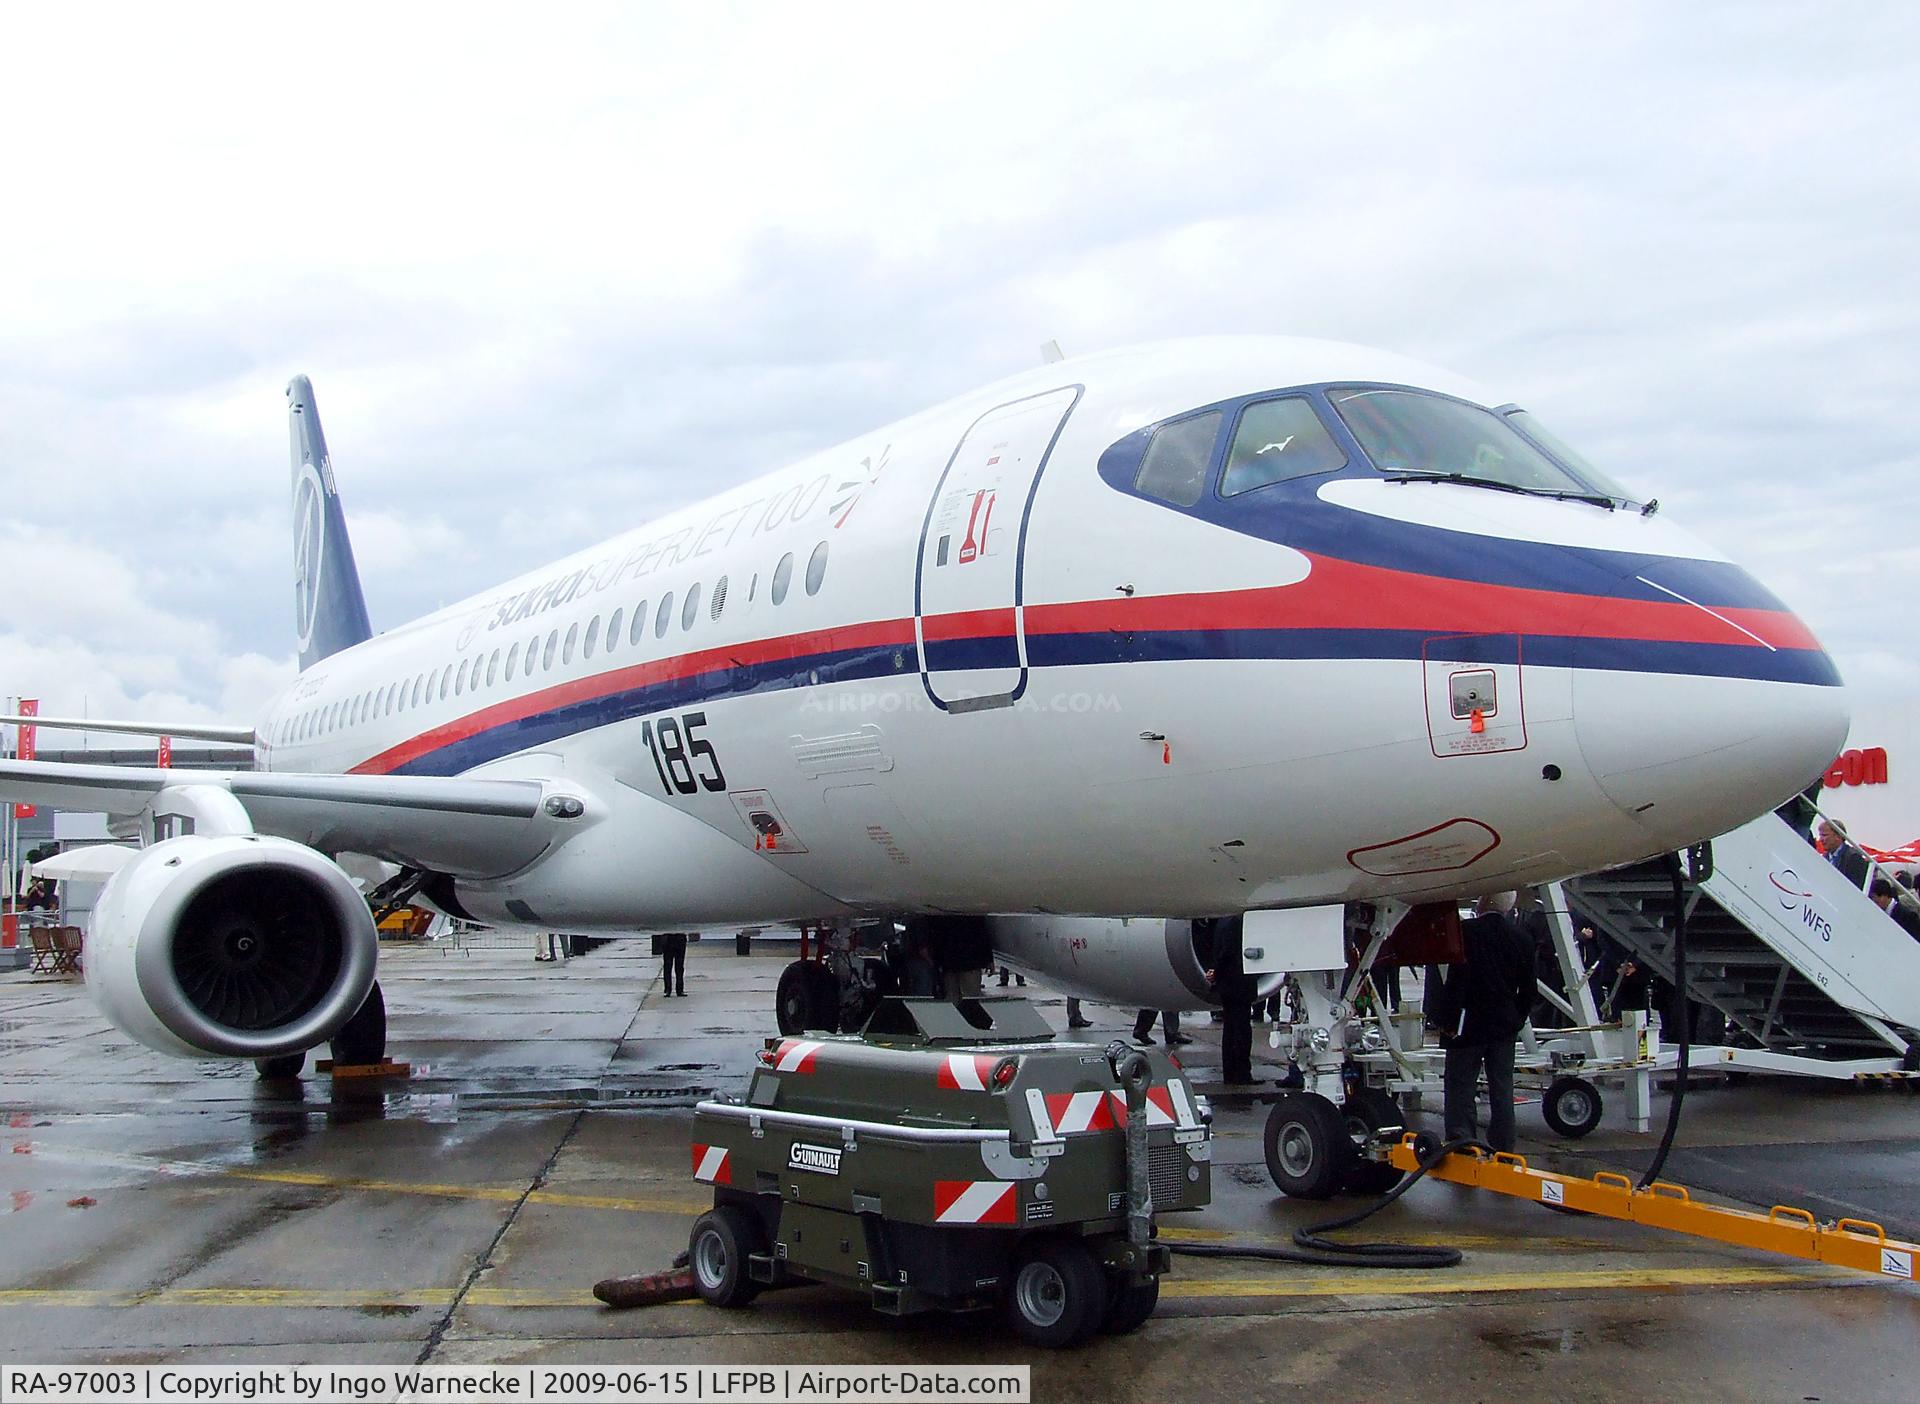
(1439, 1238)
(492, 1194)
(1449, 1282)
(1374, 1285)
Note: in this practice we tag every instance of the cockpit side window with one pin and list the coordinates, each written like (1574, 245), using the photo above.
(1276, 442)
(1411, 432)
(1566, 453)
(1174, 468)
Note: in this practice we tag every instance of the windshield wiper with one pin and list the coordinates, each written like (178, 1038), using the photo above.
(1598, 499)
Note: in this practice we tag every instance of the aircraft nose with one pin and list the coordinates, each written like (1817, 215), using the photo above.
(1713, 715)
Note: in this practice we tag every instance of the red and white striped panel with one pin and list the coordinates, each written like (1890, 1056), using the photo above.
(796, 1055)
(973, 1201)
(713, 1165)
(965, 1072)
(1159, 1107)
(1075, 1112)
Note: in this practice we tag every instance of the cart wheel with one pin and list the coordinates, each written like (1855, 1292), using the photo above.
(1308, 1148)
(1572, 1106)
(1129, 1304)
(285, 1066)
(1057, 1295)
(797, 1003)
(1366, 1111)
(717, 1253)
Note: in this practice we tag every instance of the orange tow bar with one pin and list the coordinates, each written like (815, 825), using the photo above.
(1849, 1243)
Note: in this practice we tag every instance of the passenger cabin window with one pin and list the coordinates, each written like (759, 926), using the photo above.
(493, 666)
(513, 661)
(690, 611)
(639, 629)
(566, 649)
(816, 568)
(1276, 442)
(1410, 431)
(592, 638)
(663, 616)
(553, 643)
(1174, 468)
(782, 577)
(613, 628)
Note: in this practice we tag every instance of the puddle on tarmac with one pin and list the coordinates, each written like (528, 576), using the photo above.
(1568, 1339)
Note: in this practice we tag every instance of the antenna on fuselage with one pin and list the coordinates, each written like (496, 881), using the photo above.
(1050, 352)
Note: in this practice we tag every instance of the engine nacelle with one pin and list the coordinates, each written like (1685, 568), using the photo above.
(244, 946)
(1141, 962)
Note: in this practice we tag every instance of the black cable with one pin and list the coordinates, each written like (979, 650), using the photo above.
(1320, 1251)
(1678, 876)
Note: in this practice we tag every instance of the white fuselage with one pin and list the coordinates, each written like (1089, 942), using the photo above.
(949, 666)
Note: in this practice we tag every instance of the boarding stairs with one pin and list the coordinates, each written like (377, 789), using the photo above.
(1802, 963)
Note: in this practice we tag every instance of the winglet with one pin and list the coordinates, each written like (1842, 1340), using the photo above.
(330, 612)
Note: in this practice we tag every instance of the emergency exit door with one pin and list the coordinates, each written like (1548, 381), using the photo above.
(968, 585)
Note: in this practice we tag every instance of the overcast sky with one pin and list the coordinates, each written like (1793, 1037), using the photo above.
(556, 271)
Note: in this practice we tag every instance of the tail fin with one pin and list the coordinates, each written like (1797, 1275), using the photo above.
(330, 613)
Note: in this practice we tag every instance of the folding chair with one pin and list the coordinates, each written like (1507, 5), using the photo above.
(46, 957)
(67, 943)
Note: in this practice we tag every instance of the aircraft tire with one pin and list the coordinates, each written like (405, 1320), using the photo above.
(1365, 1112)
(362, 1040)
(1308, 1147)
(287, 1065)
(805, 999)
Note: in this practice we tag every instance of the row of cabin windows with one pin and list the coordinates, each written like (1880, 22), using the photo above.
(557, 649)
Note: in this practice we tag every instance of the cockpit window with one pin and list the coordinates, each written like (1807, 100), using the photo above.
(1278, 440)
(1561, 450)
(1408, 432)
(1175, 466)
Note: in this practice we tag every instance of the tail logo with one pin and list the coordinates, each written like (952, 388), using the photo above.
(309, 551)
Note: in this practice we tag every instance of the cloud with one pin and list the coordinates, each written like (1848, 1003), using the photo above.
(552, 279)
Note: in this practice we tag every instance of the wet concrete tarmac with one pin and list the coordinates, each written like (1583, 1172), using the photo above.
(153, 1210)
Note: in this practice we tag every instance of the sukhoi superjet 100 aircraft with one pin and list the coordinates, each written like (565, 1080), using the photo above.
(1184, 630)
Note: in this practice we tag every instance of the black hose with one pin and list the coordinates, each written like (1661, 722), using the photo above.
(1678, 876)
(1312, 1247)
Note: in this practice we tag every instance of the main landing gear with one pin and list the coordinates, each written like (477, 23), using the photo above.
(361, 1041)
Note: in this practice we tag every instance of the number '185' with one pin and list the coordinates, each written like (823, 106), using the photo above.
(676, 746)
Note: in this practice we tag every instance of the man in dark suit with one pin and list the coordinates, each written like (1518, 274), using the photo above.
(1235, 989)
(1482, 1007)
(1843, 852)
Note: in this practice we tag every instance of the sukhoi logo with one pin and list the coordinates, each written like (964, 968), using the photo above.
(821, 1160)
(310, 548)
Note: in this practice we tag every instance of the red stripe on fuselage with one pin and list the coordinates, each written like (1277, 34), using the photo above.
(895, 632)
(1342, 595)
(1336, 594)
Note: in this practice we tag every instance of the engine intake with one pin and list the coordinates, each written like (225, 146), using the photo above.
(243, 945)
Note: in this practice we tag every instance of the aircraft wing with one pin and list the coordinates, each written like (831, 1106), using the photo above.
(183, 731)
(472, 828)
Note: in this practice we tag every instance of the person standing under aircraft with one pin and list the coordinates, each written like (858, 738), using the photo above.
(1075, 1019)
(1482, 1007)
(1169, 1025)
(1236, 990)
(673, 962)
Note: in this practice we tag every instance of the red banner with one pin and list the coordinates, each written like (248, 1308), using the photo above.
(166, 753)
(29, 707)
